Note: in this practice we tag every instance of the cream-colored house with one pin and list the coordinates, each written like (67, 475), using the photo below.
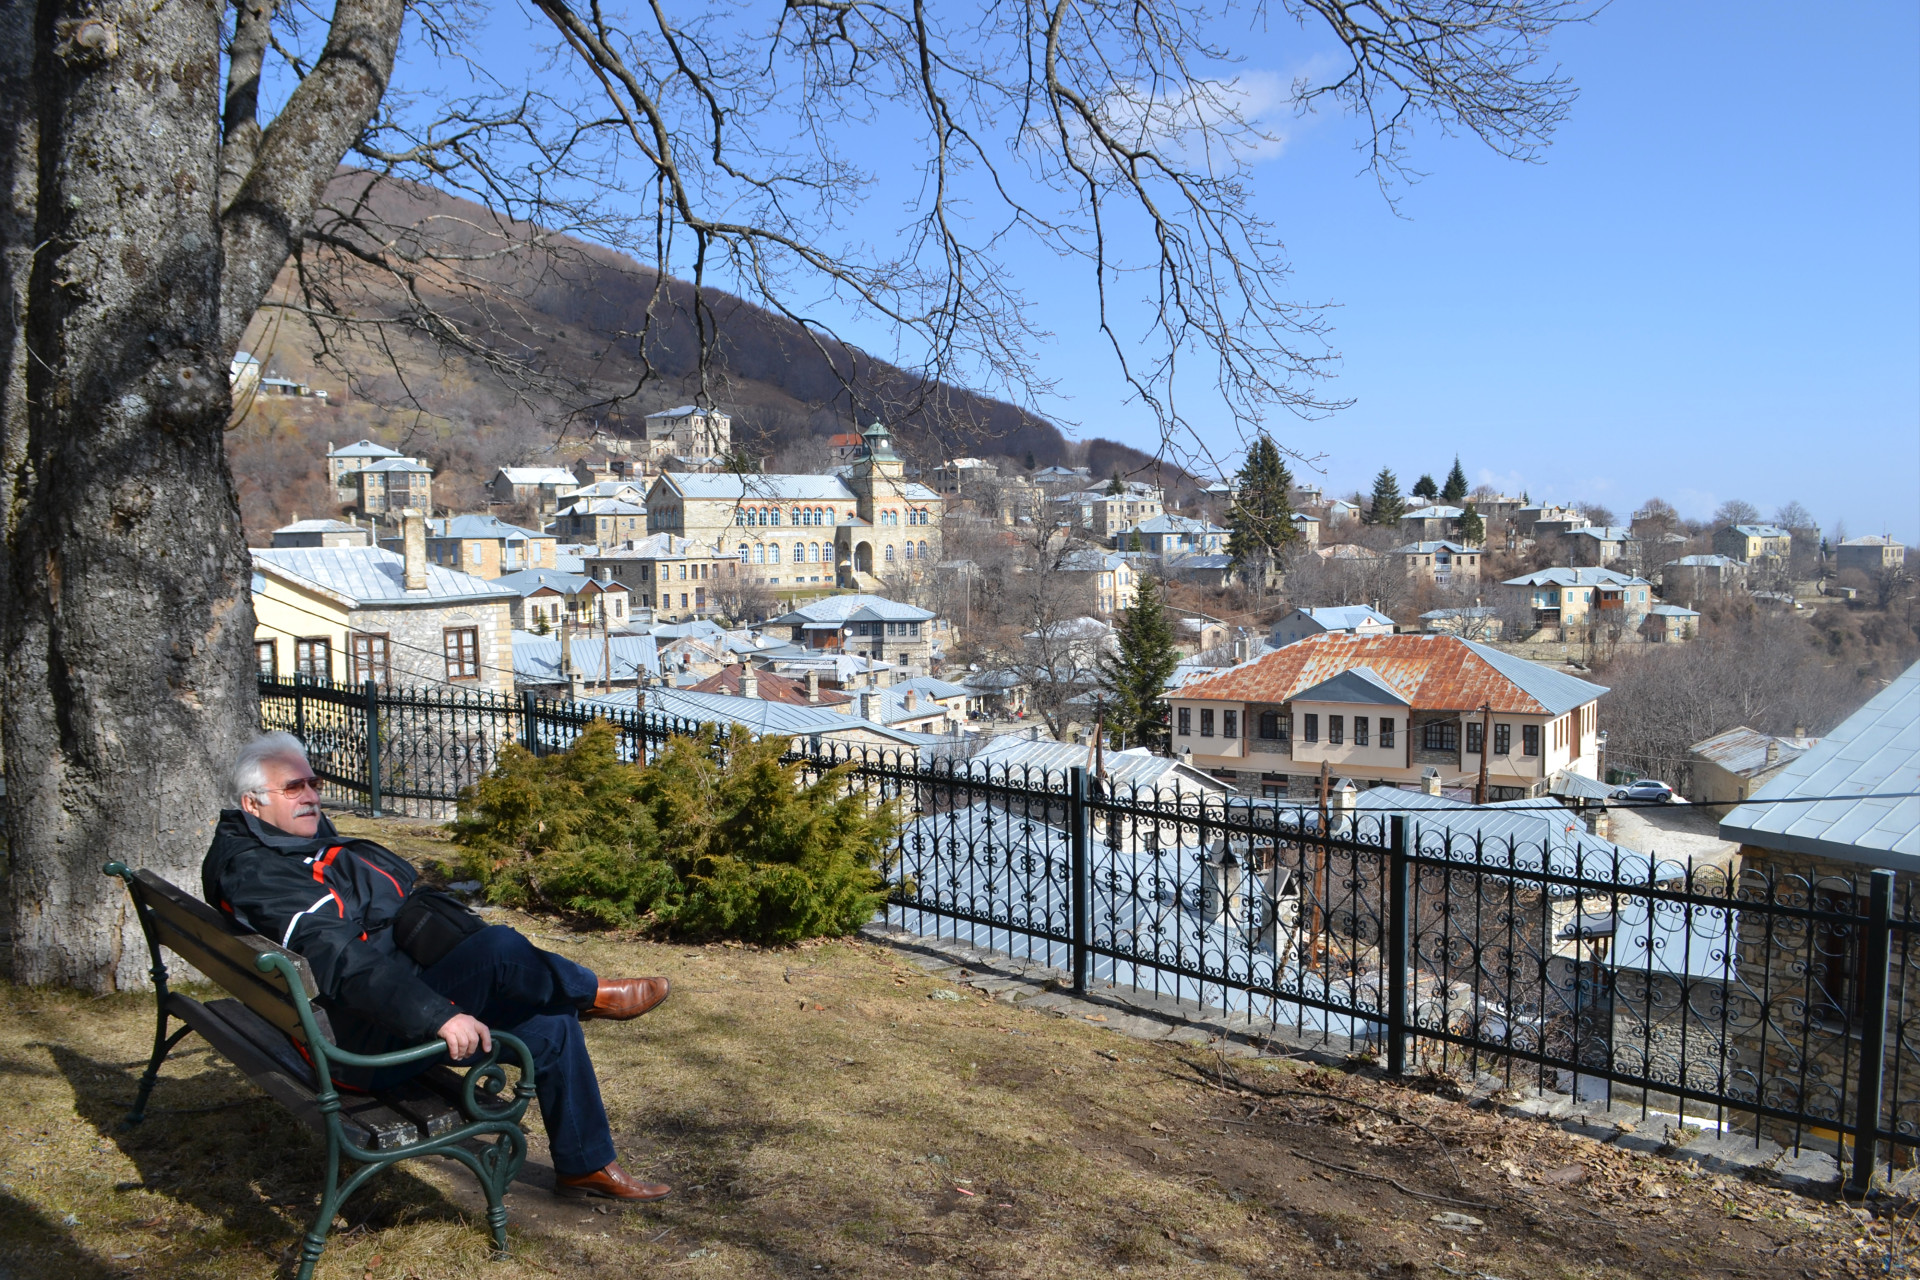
(354, 614)
(1384, 710)
(1571, 601)
(1441, 563)
(487, 547)
(850, 530)
(674, 577)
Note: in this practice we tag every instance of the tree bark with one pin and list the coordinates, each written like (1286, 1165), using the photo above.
(128, 619)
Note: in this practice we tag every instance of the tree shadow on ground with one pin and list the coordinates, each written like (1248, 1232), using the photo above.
(31, 1244)
(211, 1141)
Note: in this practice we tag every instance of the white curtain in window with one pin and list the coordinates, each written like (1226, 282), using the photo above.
(773, 553)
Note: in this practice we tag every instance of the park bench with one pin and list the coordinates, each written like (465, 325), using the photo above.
(271, 1018)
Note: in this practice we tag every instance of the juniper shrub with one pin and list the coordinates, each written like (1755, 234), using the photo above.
(716, 837)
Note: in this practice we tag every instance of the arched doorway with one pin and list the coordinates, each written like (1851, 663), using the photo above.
(863, 557)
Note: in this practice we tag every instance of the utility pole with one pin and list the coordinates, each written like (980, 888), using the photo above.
(1486, 750)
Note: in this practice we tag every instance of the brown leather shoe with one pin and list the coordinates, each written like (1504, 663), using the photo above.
(611, 1183)
(625, 998)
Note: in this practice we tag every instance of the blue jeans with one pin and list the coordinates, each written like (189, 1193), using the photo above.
(511, 985)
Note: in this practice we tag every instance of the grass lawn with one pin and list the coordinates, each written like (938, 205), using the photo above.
(821, 1113)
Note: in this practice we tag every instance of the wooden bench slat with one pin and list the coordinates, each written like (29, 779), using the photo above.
(196, 920)
(388, 1127)
(427, 1109)
(259, 1067)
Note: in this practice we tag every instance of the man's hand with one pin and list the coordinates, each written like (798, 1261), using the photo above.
(465, 1035)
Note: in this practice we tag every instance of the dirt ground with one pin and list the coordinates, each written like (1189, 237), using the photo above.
(831, 1111)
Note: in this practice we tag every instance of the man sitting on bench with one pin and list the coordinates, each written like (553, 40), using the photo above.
(278, 868)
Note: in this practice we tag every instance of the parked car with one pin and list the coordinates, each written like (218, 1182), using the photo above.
(1646, 789)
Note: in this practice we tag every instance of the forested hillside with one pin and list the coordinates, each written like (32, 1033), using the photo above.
(515, 344)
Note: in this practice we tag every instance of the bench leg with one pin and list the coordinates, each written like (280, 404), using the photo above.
(162, 1046)
(495, 1166)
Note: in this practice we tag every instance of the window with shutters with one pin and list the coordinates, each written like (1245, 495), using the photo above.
(1530, 739)
(1336, 730)
(1186, 722)
(1310, 727)
(313, 658)
(1386, 732)
(1476, 736)
(1230, 724)
(1439, 735)
(266, 657)
(1206, 722)
(1360, 731)
(463, 653)
(1503, 739)
(369, 660)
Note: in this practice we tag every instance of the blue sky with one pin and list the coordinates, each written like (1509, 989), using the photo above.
(1709, 288)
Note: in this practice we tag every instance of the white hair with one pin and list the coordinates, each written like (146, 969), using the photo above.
(249, 776)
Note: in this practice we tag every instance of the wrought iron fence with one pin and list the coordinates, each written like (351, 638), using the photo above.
(1760, 1002)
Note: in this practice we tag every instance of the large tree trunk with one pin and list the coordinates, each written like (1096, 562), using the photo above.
(127, 613)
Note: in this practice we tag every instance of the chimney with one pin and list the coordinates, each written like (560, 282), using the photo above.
(749, 681)
(870, 706)
(912, 698)
(1033, 733)
(1430, 781)
(813, 688)
(1773, 751)
(1602, 823)
(1220, 877)
(413, 542)
(1799, 735)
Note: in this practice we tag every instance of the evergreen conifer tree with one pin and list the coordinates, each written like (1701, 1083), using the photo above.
(1456, 490)
(1473, 530)
(1387, 506)
(1424, 487)
(1260, 522)
(1030, 460)
(1133, 678)
(1116, 486)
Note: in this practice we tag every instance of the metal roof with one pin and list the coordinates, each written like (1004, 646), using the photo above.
(1439, 672)
(1424, 548)
(1744, 751)
(1089, 560)
(1873, 540)
(1673, 611)
(1703, 562)
(396, 464)
(1876, 750)
(1565, 577)
(320, 526)
(732, 487)
(359, 449)
(1438, 511)
(681, 411)
(536, 659)
(1176, 524)
(852, 608)
(602, 507)
(755, 714)
(1357, 684)
(527, 581)
(1016, 752)
(1346, 617)
(1762, 531)
(538, 475)
(1604, 533)
(484, 527)
(368, 576)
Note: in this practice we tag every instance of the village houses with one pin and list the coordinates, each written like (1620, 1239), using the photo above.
(487, 547)
(675, 577)
(538, 488)
(1441, 563)
(1388, 710)
(1753, 544)
(1570, 601)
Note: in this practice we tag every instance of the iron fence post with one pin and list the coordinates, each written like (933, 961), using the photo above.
(1079, 823)
(299, 708)
(1873, 1033)
(529, 736)
(373, 747)
(1400, 886)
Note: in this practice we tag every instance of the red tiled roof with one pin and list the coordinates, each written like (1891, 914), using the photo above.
(846, 440)
(1433, 672)
(772, 688)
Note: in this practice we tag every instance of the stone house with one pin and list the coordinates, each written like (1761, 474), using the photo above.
(1432, 523)
(544, 599)
(1810, 837)
(603, 522)
(689, 431)
(1693, 578)
(1594, 544)
(1349, 619)
(1729, 767)
(1546, 520)
(1572, 602)
(354, 614)
(1871, 555)
(1670, 624)
(323, 533)
(1306, 528)
(867, 625)
(1753, 544)
(1111, 579)
(540, 488)
(677, 578)
(1386, 709)
(392, 485)
(347, 459)
(1441, 563)
(1170, 537)
(487, 547)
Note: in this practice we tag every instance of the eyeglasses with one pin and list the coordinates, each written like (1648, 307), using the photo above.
(294, 788)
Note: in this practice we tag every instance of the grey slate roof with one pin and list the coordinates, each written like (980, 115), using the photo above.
(478, 527)
(1565, 577)
(1762, 531)
(538, 475)
(397, 464)
(1744, 751)
(1427, 548)
(318, 526)
(1345, 617)
(1356, 684)
(1015, 753)
(372, 576)
(1876, 750)
(359, 449)
(528, 581)
(1673, 611)
(755, 714)
(1176, 524)
(837, 610)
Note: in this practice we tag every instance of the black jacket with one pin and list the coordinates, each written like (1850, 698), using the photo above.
(332, 899)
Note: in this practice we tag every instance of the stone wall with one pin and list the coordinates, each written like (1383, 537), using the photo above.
(417, 642)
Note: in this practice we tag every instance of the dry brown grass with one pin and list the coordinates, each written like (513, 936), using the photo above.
(820, 1115)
